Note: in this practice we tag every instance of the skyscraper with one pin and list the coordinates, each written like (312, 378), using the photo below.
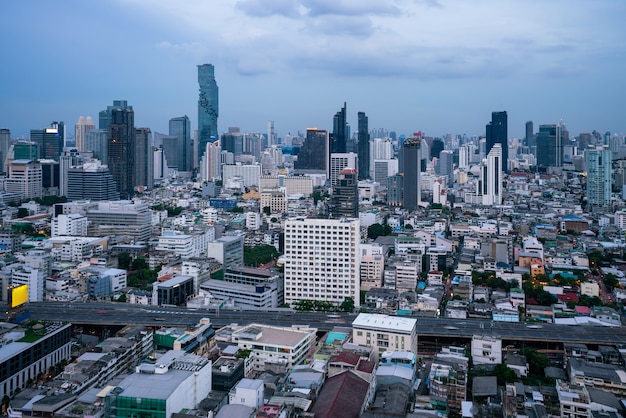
(339, 136)
(345, 199)
(144, 159)
(339, 161)
(180, 128)
(363, 146)
(105, 116)
(50, 140)
(271, 134)
(5, 143)
(313, 155)
(446, 166)
(81, 128)
(496, 132)
(96, 141)
(598, 165)
(549, 148)
(491, 177)
(121, 150)
(411, 158)
(208, 107)
(91, 181)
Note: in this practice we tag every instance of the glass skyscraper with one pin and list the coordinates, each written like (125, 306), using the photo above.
(208, 108)
(598, 165)
(121, 150)
(181, 129)
(496, 132)
(411, 157)
(363, 146)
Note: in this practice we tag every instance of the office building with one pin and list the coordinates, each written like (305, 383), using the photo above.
(96, 142)
(445, 166)
(180, 128)
(550, 148)
(211, 163)
(125, 219)
(385, 332)
(91, 181)
(25, 178)
(363, 146)
(208, 108)
(121, 150)
(496, 132)
(178, 381)
(436, 147)
(73, 224)
(23, 360)
(598, 166)
(81, 128)
(411, 161)
(106, 116)
(5, 144)
(291, 184)
(322, 260)
(250, 174)
(339, 161)
(313, 155)
(50, 141)
(227, 250)
(491, 177)
(272, 138)
(339, 137)
(529, 137)
(345, 198)
(144, 159)
(395, 190)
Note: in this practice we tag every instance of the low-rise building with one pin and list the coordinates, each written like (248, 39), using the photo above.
(385, 332)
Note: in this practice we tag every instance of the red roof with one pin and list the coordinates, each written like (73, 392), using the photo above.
(366, 366)
(345, 357)
(582, 310)
(342, 396)
(568, 297)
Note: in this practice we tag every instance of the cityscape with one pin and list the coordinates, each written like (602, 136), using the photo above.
(260, 210)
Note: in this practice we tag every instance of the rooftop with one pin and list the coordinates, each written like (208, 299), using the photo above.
(386, 322)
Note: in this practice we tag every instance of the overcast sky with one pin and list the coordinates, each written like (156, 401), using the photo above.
(439, 66)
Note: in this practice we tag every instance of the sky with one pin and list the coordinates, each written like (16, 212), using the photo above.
(436, 66)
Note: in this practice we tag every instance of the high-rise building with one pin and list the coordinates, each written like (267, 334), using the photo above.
(121, 150)
(211, 163)
(50, 140)
(106, 115)
(313, 155)
(598, 165)
(96, 142)
(436, 147)
(180, 128)
(208, 108)
(81, 128)
(232, 141)
(445, 165)
(411, 159)
(271, 134)
(339, 161)
(363, 146)
(339, 137)
(550, 148)
(465, 153)
(25, 178)
(322, 260)
(91, 181)
(123, 218)
(491, 177)
(529, 137)
(5, 144)
(496, 132)
(144, 159)
(345, 199)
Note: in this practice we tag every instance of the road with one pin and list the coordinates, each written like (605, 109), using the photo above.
(122, 314)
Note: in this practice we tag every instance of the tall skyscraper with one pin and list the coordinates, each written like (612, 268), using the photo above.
(329, 250)
(96, 141)
(496, 132)
(598, 165)
(339, 136)
(272, 138)
(208, 107)
(529, 137)
(550, 148)
(363, 146)
(181, 129)
(313, 155)
(211, 163)
(5, 144)
(411, 158)
(345, 199)
(91, 181)
(491, 177)
(121, 150)
(50, 140)
(81, 128)
(144, 159)
(446, 166)
(339, 161)
(105, 116)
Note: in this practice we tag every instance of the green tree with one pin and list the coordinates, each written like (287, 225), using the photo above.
(259, 254)
(505, 374)
(123, 261)
(267, 210)
(537, 362)
(22, 212)
(376, 230)
(139, 263)
(122, 298)
(347, 305)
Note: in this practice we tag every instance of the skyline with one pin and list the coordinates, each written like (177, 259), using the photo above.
(433, 66)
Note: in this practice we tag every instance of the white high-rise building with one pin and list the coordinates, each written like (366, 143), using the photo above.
(211, 164)
(491, 177)
(380, 149)
(72, 224)
(464, 156)
(322, 260)
(81, 128)
(271, 134)
(339, 161)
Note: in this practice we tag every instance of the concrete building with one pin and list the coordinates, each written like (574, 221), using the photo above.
(123, 218)
(322, 260)
(194, 244)
(486, 349)
(385, 333)
(69, 225)
(24, 177)
(228, 250)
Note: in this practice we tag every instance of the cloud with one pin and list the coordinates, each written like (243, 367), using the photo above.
(350, 7)
(352, 26)
(263, 8)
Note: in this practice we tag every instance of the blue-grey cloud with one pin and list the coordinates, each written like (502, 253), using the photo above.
(352, 26)
(350, 7)
(263, 8)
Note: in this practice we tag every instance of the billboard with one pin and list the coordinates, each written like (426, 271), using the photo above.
(18, 295)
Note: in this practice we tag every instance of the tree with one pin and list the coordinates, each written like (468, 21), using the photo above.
(139, 263)
(267, 210)
(259, 254)
(122, 298)
(347, 305)
(376, 230)
(123, 261)
(505, 374)
(537, 362)
(22, 212)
